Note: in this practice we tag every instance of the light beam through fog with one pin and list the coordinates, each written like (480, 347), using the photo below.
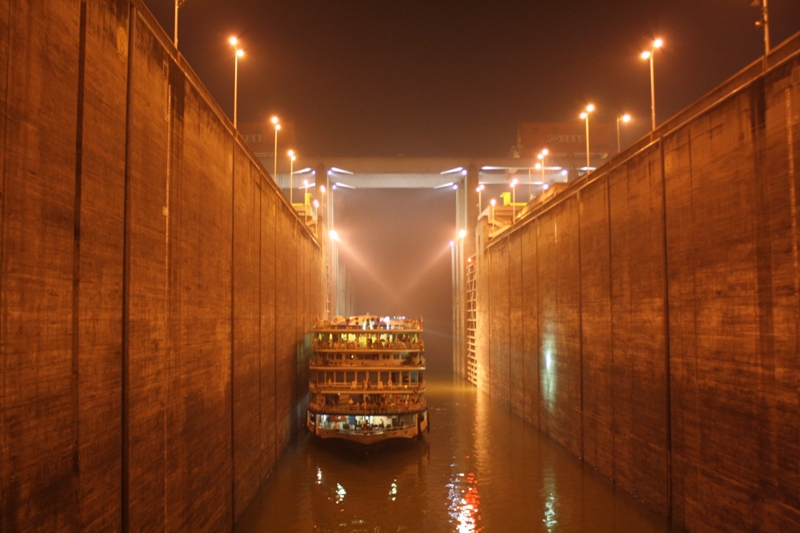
(353, 255)
(422, 271)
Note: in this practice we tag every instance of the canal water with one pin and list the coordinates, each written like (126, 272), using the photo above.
(480, 469)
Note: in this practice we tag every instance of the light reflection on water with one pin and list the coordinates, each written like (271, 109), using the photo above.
(479, 470)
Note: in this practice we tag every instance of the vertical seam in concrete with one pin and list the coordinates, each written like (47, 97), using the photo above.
(580, 318)
(508, 339)
(275, 335)
(260, 196)
(611, 329)
(167, 210)
(667, 353)
(76, 270)
(233, 325)
(694, 287)
(126, 287)
(538, 321)
(539, 336)
(787, 103)
(5, 474)
(521, 289)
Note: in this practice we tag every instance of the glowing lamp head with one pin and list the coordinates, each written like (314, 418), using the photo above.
(584, 115)
(493, 202)
(455, 186)
(277, 127)
(333, 235)
(233, 41)
(626, 118)
(293, 158)
(305, 183)
(462, 233)
(239, 53)
(274, 120)
(538, 166)
(658, 43)
(452, 244)
(290, 152)
(545, 151)
(590, 108)
(316, 203)
(322, 189)
(514, 182)
(645, 55)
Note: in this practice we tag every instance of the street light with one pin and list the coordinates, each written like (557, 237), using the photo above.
(585, 117)
(277, 125)
(624, 118)
(541, 157)
(491, 217)
(480, 206)
(237, 53)
(179, 3)
(649, 55)
(291, 174)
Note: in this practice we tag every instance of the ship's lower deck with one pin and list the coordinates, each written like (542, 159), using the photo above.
(366, 428)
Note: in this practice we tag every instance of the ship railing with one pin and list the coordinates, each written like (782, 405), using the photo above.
(371, 430)
(379, 363)
(405, 408)
(317, 344)
(333, 387)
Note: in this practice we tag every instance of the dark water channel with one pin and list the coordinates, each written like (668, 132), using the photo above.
(479, 469)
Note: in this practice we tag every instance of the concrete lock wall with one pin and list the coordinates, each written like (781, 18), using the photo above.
(155, 287)
(647, 318)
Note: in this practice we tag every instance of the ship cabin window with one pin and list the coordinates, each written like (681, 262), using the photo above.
(339, 377)
(350, 377)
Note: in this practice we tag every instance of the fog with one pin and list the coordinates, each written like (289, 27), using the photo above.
(395, 246)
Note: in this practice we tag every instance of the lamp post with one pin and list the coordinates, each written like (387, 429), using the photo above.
(649, 55)
(491, 217)
(292, 157)
(763, 22)
(480, 205)
(277, 126)
(178, 3)
(237, 53)
(305, 205)
(585, 117)
(624, 118)
(541, 157)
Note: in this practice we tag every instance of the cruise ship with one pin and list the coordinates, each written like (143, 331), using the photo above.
(366, 379)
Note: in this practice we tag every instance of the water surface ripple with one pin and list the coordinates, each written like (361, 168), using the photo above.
(480, 469)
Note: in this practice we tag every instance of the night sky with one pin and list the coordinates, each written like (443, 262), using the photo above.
(449, 78)
(434, 77)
